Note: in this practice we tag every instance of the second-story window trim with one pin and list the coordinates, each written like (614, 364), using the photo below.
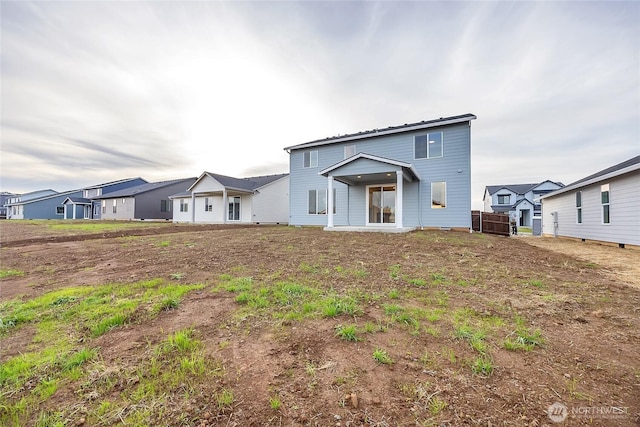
(310, 159)
(428, 146)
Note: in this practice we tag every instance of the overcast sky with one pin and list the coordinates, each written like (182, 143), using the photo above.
(98, 91)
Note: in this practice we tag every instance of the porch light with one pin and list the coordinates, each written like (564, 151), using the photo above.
(359, 176)
(388, 174)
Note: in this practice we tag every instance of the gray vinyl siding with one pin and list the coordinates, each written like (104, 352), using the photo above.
(417, 196)
(624, 212)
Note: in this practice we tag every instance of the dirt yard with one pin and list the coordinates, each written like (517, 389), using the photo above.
(479, 330)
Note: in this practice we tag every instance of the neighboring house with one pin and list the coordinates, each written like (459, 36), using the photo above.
(403, 177)
(215, 198)
(603, 206)
(520, 201)
(42, 204)
(84, 207)
(148, 201)
(4, 199)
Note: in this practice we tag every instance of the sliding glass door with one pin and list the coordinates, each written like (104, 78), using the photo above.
(381, 201)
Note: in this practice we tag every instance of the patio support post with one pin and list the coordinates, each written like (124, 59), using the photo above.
(330, 202)
(193, 207)
(399, 193)
(225, 205)
(74, 210)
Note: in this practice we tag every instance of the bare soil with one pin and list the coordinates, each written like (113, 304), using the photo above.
(585, 302)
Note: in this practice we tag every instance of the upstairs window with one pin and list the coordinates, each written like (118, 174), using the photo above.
(311, 159)
(503, 199)
(428, 146)
(579, 207)
(605, 198)
(349, 150)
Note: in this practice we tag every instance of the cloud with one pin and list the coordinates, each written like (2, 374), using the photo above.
(169, 89)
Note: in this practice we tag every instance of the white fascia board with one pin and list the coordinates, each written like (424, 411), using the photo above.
(381, 132)
(202, 175)
(353, 158)
(592, 181)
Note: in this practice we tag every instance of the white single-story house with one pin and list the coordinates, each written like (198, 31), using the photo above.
(220, 199)
(604, 206)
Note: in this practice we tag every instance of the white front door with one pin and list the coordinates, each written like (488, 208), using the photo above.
(381, 204)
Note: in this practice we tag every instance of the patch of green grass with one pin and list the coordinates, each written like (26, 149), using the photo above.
(536, 283)
(335, 305)
(225, 399)
(163, 243)
(523, 339)
(417, 282)
(181, 341)
(436, 405)
(394, 271)
(394, 294)
(10, 273)
(79, 358)
(238, 284)
(475, 337)
(482, 365)
(347, 332)
(275, 402)
(382, 357)
(177, 276)
(109, 323)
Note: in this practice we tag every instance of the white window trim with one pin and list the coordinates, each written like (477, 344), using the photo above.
(311, 165)
(602, 205)
(428, 156)
(503, 195)
(239, 208)
(366, 211)
(326, 192)
(579, 219)
(445, 195)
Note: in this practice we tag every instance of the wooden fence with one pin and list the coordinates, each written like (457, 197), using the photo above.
(491, 223)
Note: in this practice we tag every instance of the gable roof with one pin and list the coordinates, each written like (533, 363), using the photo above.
(622, 168)
(519, 188)
(77, 201)
(244, 184)
(143, 188)
(47, 197)
(405, 166)
(425, 124)
(120, 181)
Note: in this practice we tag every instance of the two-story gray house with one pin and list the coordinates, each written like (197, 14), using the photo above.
(398, 178)
(520, 201)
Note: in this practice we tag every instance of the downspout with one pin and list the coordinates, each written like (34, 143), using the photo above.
(193, 207)
(348, 203)
(420, 204)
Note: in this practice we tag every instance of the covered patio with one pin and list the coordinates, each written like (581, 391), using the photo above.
(383, 181)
